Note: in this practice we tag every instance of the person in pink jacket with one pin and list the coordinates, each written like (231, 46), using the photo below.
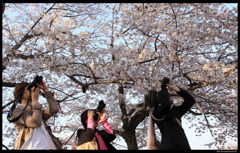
(90, 132)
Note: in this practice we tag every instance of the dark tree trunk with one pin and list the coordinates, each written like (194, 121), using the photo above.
(130, 138)
(131, 119)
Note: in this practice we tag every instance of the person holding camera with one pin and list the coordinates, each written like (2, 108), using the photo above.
(167, 116)
(29, 118)
(90, 138)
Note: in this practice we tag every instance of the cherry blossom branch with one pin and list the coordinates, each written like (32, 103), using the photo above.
(139, 116)
(26, 37)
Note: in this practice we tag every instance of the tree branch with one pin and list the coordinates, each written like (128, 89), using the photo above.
(175, 16)
(26, 37)
(123, 108)
(149, 60)
(8, 84)
(5, 147)
(139, 116)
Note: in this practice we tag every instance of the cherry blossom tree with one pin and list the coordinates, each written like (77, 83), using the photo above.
(117, 52)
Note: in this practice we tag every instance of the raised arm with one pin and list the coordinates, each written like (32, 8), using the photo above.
(53, 106)
(188, 99)
(105, 123)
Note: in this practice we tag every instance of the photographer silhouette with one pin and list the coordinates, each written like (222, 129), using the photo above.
(167, 116)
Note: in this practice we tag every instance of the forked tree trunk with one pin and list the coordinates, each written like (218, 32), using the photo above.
(130, 138)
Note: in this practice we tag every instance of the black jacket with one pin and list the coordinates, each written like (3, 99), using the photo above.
(88, 134)
(173, 136)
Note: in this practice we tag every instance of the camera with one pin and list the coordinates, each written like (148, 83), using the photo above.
(100, 106)
(34, 83)
(164, 81)
(99, 109)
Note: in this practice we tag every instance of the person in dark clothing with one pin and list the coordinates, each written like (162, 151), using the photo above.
(90, 132)
(167, 116)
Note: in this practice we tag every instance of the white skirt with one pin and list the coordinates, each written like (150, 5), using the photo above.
(39, 139)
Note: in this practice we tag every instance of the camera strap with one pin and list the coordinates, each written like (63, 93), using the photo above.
(12, 109)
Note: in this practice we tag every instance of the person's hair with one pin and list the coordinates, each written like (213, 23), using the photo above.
(19, 89)
(84, 117)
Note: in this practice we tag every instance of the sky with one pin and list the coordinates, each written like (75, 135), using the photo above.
(196, 142)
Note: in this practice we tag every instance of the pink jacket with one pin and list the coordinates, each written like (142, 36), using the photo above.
(108, 129)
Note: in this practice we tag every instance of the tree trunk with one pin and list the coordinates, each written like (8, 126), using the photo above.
(130, 138)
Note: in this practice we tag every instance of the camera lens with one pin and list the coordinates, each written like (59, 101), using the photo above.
(101, 106)
(36, 80)
(165, 81)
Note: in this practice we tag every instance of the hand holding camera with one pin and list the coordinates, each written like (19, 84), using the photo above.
(173, 86)
(43, 86)
(100, 112)
(166, 82)
(34, 83)
(91, 113)
(35, 86)
(103, 115)
(35, 95)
